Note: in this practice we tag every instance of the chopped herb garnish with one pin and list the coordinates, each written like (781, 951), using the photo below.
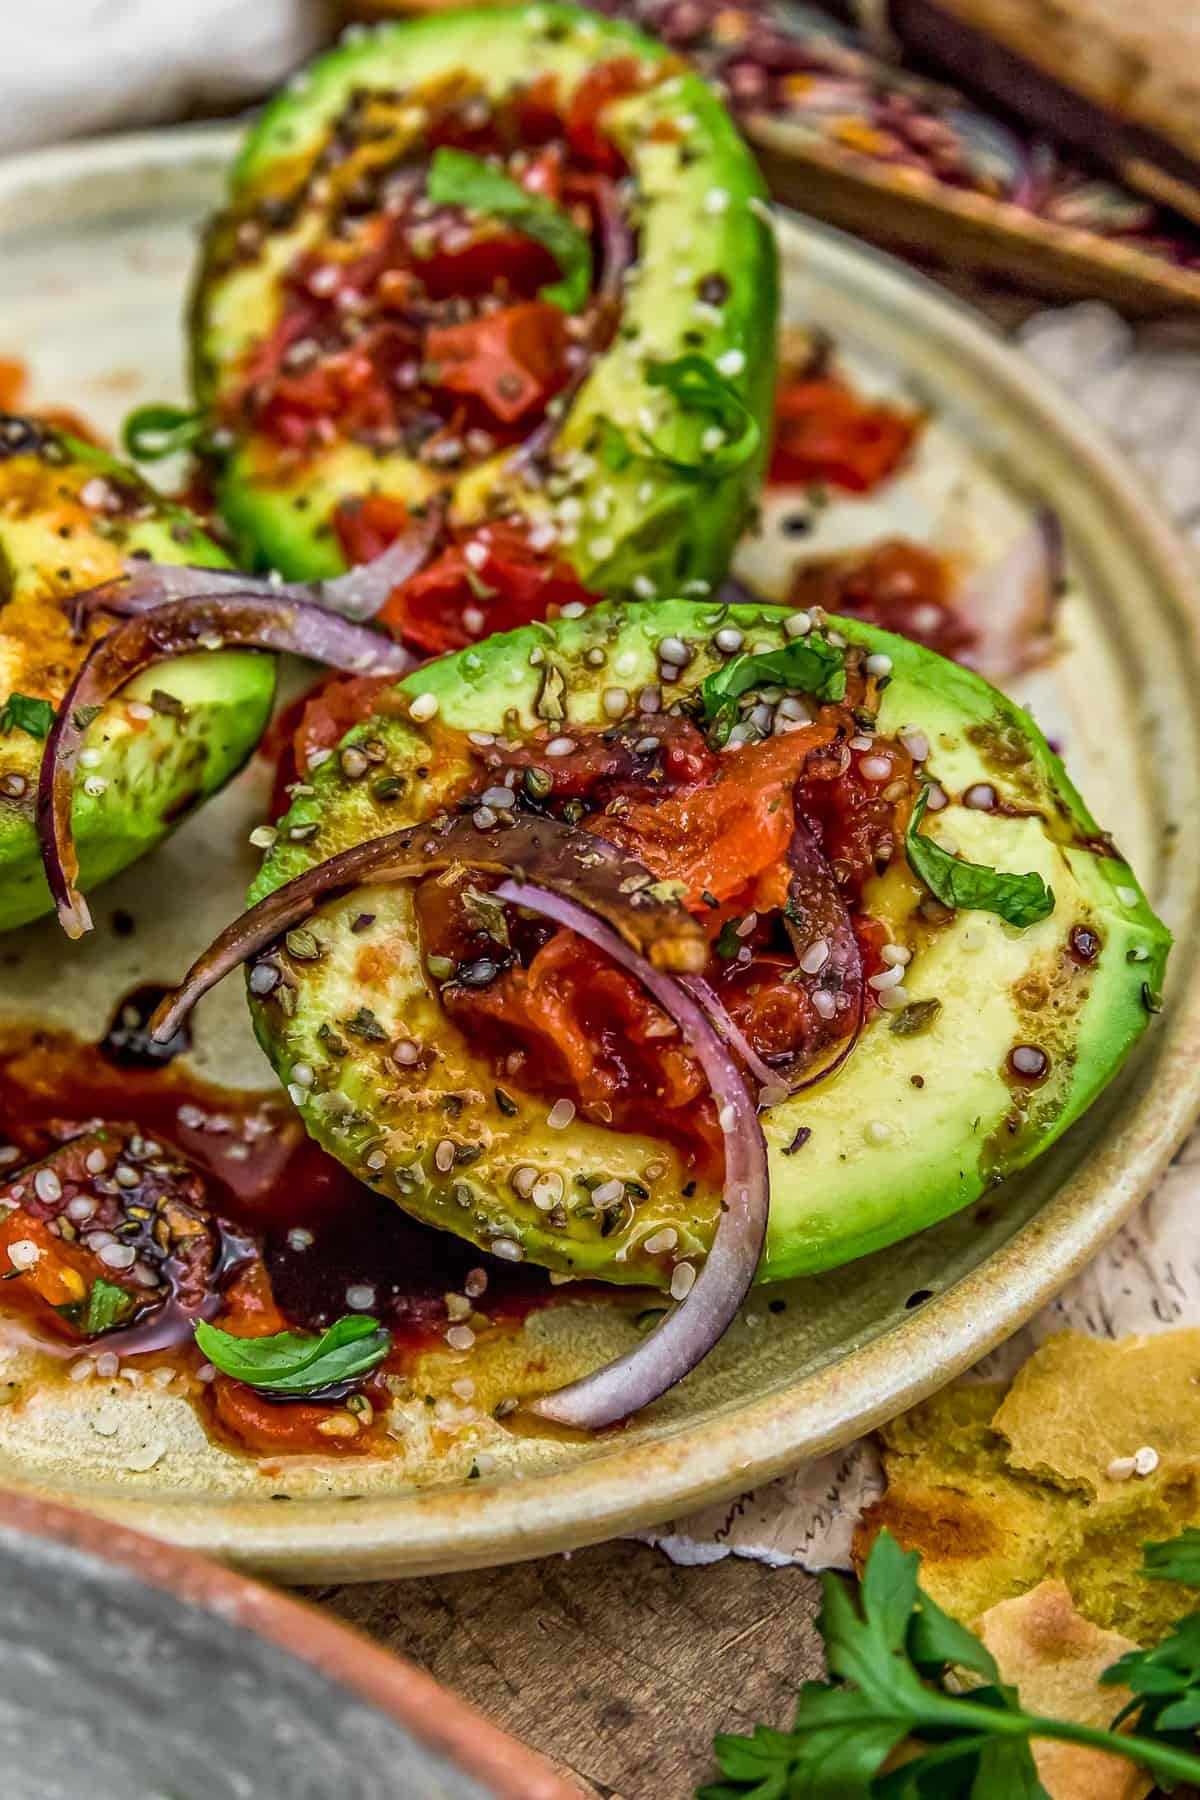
(706, 402)
(803, 1133)
(363, 1024)
(915, 1018)
(613, 446)
(485, 914)
(107, 1305)
(155, 431)
(21, 712)
(458, 179)
(809, 665)
(506, 1103)
(1017, 899)
(290, 1362)
(728, 942)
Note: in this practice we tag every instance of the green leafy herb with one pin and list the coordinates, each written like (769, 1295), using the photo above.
(21, 713)
(709, 402)
(808, 665)
(107, 1305)
(888, 1650)
(915, 1018)
(613, 447)
(967, 886)
(291, 1362)
(458, 179)
(728, 942)
(152, 432)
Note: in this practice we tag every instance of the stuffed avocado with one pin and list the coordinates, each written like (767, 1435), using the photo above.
(69, 517)
(912, 930)
(515, 260)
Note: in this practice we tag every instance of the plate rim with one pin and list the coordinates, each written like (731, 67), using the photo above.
(741, 1444)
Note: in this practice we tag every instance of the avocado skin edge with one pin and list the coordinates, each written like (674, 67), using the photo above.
(839, 1199)
(153, 778)
(688, 530)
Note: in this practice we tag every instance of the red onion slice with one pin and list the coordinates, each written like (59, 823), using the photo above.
(176, 629)
(357, 595)
(774, 1087)
(583, 866)
(687, 1334)
(1010, 606)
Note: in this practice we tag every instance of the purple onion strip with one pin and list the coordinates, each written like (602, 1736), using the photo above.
(357, 595)
(178, 628)
(688, 1333)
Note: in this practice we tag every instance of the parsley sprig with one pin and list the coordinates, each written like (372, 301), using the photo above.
(889, 1649)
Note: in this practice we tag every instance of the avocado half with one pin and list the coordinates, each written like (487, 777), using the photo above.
(69, 517)
(912, 1128)
(698, 203)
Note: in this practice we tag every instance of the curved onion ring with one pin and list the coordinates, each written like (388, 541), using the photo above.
(688, 1333)
(177, 629)
(1010, 606)
(773, 1085)
(576, 862)
(588, 893)
(358, 595)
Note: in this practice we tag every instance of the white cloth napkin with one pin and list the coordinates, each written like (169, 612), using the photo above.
(75, 66)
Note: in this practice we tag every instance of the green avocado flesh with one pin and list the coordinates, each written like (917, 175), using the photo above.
(912, 1127)
(69, 517)
(698, 205)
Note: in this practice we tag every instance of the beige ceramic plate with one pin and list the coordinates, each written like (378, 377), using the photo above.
(95, 244)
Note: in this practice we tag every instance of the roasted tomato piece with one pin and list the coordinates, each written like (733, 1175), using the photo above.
(509, 362)
(590, 1029)
(825, 432)
(493, 581)
(107, 1226)
(607, 82)
(728, 837)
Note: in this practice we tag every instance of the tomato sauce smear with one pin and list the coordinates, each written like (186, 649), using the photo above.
(296, 1241)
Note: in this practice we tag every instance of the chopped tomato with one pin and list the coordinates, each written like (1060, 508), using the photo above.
(602, 764)
(265, 1426)
(537, 110)
(60, 1275)
(368, 526)
(607, 82)
(511, 362)
(824, 432)
(337, 397)
(14, 377)
(456, 600)
(593, 1030)
(717, 839)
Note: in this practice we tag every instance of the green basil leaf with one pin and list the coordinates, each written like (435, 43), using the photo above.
(21, 713)
(705, 399)
(808, 665)
(972, 887)
(291, 1362)
(458, 179)
(107, 1305)
(155, 431)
